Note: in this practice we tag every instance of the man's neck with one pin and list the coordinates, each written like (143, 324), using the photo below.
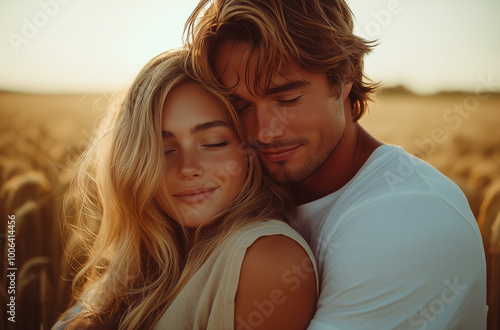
(340, 167)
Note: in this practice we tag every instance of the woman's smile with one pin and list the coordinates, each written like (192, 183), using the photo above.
(195, 195)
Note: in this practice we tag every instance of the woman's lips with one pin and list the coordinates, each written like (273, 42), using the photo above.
(195, 195)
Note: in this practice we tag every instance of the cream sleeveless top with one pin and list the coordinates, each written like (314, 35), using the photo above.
(207, 300)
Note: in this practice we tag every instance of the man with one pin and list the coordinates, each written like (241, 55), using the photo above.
(396, 243)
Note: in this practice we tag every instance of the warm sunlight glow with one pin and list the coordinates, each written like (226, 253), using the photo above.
(65, 46)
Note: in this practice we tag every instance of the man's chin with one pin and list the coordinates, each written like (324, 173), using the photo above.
(282, 173)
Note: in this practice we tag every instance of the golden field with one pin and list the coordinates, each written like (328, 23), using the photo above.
(40, 134)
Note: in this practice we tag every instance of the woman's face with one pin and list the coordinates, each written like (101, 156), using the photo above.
(205, 168)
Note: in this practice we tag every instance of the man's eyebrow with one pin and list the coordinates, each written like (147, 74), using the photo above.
(287, 87)
(199, 127)
(275, 90)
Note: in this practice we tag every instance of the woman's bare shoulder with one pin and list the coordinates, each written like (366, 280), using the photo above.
(277, 287)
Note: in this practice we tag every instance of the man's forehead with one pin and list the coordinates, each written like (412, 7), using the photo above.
(235, 63)
(291, 74)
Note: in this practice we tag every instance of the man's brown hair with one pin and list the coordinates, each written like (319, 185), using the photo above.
(317, 35)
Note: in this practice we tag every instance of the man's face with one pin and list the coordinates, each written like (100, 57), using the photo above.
(296, 123)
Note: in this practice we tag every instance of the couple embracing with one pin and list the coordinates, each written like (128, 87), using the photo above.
(235, 188)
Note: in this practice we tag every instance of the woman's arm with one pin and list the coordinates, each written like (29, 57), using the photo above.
(277, 287)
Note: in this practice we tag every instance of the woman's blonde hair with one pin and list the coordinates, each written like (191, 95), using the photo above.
(138, 258)
(316, 35)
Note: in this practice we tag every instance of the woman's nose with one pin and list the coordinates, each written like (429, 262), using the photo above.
(190, 166)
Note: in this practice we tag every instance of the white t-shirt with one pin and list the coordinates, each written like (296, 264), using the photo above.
(397, 248)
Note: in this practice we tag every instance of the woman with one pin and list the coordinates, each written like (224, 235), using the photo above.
(187, 236)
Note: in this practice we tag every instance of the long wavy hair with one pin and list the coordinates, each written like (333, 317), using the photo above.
(138, 258)
(316, 35)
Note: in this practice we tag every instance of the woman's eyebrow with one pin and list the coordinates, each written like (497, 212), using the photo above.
(199, 127)
(208, 125)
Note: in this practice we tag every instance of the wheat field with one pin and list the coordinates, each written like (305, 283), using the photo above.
(41, 134)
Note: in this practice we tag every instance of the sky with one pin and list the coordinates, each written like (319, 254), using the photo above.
(76, 46)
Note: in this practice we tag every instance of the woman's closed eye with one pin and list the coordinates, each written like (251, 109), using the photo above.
(213, 145)
(208, 144)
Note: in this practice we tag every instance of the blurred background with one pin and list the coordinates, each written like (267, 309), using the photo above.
(62, 60)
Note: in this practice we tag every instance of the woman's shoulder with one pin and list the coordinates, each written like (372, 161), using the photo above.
(257, 229)
(273, 238)
(278, 282)
(248, 241)
(269, 241)
(281, 255)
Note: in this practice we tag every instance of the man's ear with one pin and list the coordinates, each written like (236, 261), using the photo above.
(346, 89)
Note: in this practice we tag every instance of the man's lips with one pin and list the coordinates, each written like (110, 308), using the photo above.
(277, 155)
(195, 195)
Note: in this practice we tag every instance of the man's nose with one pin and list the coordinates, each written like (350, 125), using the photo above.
(269, 125)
